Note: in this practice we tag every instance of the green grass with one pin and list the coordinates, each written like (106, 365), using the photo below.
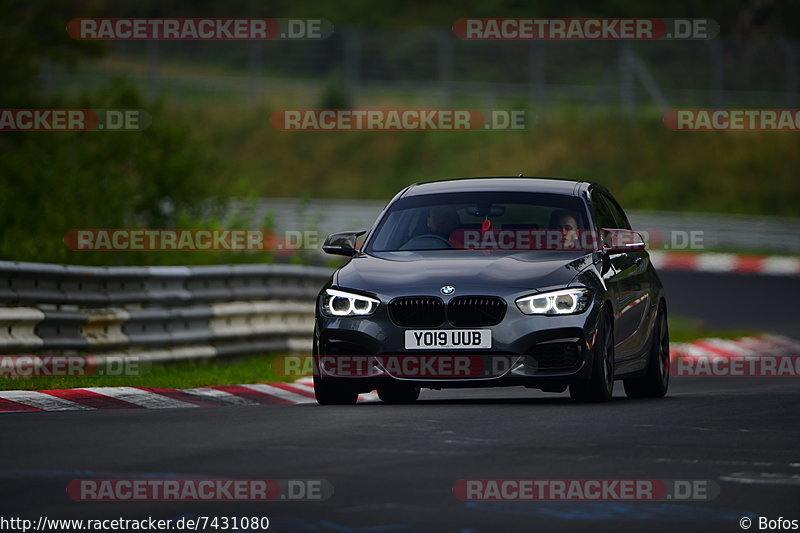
(645, 165)
(175, 375)
(684, 329)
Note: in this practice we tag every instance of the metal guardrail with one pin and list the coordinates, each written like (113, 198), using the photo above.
(157, 313)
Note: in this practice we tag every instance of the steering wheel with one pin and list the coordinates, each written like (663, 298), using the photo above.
(429, 241)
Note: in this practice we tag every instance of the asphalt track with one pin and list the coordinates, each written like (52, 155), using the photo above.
(393, 468)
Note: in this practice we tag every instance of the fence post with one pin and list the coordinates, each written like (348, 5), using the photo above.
(627, 90)
(254, 61)
(444, 66)
(717, 74)
(153, 66)
(46, 76)
(790, 68)
(536, 81)
(352, 64)
(648, 81)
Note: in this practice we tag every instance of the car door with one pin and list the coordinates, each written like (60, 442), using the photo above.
(622, 280)
(635, 299)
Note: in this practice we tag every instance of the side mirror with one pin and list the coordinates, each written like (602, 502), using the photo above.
(605, 263)
(343, 243)
(622, 240)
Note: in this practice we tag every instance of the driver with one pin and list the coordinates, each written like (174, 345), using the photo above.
(443, 220)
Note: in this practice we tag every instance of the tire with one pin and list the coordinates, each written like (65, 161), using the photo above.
(398, 393)
(600, 387)
(655, 382)
(331, 393)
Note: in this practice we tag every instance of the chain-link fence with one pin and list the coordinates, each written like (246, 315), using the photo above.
(433, 67)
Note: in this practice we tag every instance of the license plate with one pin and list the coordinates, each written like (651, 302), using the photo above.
(449, 339)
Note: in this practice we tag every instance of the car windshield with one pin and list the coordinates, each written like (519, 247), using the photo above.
(480, 220)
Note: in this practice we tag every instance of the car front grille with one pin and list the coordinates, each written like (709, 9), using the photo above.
(469, 311)
(417, 311)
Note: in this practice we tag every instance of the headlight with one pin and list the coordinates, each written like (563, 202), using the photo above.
(563, 302)
(340, 303)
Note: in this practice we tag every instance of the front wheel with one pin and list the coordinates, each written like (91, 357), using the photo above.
(330, 392)
(600, 386)
(655, 382)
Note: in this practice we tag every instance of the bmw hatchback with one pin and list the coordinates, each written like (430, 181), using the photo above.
(491, 282)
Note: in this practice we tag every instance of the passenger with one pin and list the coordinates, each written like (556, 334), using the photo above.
(567, 223)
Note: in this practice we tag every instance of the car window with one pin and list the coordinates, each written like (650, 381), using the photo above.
(604, 215)
(619, 216)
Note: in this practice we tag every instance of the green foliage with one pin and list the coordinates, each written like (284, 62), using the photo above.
(334, 94)
(52, 182)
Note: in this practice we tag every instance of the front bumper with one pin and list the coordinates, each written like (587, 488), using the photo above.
(546, 352)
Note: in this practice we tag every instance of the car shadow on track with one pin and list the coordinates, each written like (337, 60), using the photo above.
(559, 400)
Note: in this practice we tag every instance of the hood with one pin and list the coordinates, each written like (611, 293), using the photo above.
(427, 272)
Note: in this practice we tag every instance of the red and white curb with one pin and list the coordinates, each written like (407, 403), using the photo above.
(759, 346)
(94, 398)
(733, 263)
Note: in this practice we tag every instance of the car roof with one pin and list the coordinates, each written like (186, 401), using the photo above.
(499, 184)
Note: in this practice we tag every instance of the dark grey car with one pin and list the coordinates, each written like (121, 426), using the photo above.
(493, 282)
